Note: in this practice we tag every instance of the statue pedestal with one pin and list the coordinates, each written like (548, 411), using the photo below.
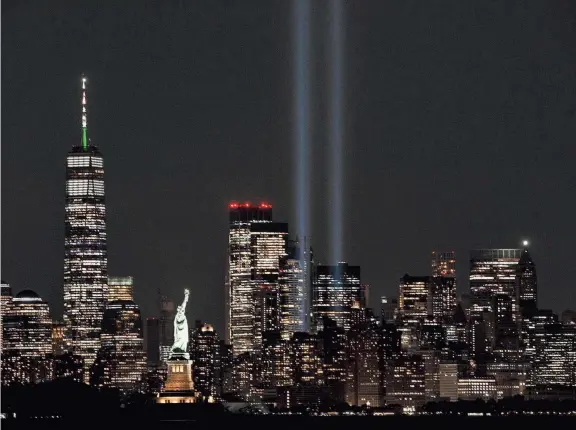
(179, 387)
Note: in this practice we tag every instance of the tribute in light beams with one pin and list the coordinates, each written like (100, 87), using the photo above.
(336, 131)
(301, 34)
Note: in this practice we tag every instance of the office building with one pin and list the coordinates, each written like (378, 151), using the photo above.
(28, 326)
(5, 302)
(120, 288)
(294, 290)
(206, 361)
(58, 337)
(240, 295)
(268, 249)
(336, 290)
(85, 252)
(121, 362)
(443, 264)
(492, 271)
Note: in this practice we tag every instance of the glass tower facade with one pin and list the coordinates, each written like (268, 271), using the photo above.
(492, 271)
(121, 361)
(85, 253)
(28, 326)
(240, 294)
(120, 288)
(336, 290)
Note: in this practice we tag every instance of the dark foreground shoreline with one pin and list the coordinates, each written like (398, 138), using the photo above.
(274, 422)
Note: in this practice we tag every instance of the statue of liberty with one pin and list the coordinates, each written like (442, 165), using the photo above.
(180, 346)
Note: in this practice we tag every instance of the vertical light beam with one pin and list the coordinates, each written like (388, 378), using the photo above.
(336, 128)
(301, 61)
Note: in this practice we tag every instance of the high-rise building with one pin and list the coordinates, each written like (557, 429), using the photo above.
(492, 271)
(206, 361)
(240, 294)
(5, 302)
(505, 337)
(405, 382)
(364, 372)
(306, 359)
(553, 355)
(334, 359)
(268, 249)
(413, 298)
(413, 307)
(27, 348)
(58, 337)
(121, 361)
(28, 326)
(527, 284)
(443, 264)
(388, 309)
(85, 252)
(442, 298)
(120, 288)
(336, 290)
(294, 290)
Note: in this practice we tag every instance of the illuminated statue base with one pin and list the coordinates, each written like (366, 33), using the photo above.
(179, 387)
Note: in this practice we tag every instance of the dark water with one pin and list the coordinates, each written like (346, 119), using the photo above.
(240, 422)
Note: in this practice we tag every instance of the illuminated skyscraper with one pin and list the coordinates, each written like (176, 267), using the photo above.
(5, 302)
(527, 284)
(442, 299)
(414, 298)
(58, 338)
(28, 326)
(336, 290)
(120, 288)
(295, 281)
(85, 253)
(268, 249)
(121, 361)
(240, 294)
(443, 264)
(206, 356)
(27, 340)
(493, 271)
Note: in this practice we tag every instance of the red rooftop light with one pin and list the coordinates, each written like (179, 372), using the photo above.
(233, 205)
(265, 205)
(247, 204)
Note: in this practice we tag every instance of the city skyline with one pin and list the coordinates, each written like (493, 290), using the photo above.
(396, 180)
(168, 249)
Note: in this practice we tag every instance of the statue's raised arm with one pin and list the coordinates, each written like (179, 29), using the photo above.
(186, 295)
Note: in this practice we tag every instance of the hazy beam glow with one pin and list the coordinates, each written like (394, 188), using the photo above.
(301, 34)
(336, 124)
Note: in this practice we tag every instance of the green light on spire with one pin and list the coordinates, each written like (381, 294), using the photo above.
(85, 139)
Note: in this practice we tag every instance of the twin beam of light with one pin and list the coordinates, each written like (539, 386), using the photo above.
(336, 128)
(301, 34)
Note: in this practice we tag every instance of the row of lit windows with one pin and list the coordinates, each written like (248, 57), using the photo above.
(85, 187)
(85, 161)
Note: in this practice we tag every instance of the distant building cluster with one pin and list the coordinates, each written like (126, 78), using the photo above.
(298, 333)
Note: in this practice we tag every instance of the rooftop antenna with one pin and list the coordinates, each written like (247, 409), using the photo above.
(84, 116)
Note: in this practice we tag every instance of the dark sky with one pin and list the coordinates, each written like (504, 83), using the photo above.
(460, 134)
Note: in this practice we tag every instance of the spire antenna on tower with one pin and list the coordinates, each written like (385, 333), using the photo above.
(84, 115)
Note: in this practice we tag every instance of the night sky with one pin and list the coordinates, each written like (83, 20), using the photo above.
(460, 121)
